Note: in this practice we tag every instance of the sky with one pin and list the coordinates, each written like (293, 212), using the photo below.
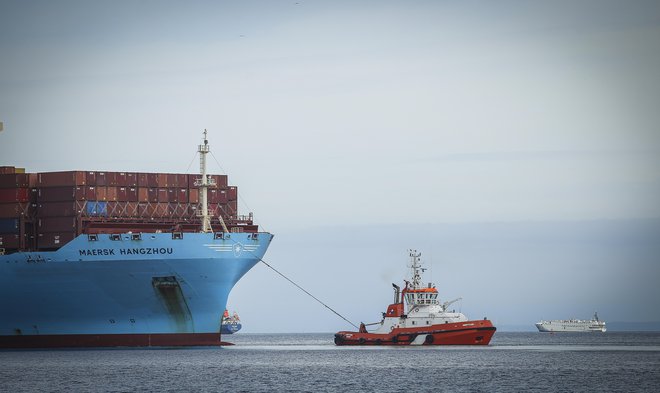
(516, 144)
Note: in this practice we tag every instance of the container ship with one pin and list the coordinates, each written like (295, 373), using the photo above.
(104, 259)
(416, 317)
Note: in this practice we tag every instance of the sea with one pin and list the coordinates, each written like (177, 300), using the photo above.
(513, 362)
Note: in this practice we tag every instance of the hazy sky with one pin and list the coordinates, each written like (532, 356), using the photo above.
(371, 116)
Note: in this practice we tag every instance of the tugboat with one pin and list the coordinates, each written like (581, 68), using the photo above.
(418, 318)
(230, 324)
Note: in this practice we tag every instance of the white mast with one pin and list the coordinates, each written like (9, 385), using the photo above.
(204, 183)
(416, 266)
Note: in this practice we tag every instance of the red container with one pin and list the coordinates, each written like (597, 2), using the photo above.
(193, 195)
(7, 170)
(8, 195)
(101, 179)
(101, 192)
(182, 195)
(153, 195)
(131, 194)
(143, 194)
(61, 194)
(57, 224)
(143, 180)
(222, 196)
(12, 210)
(152, 180)
(59, 209)
(111, 193)
(232, 193)
(172, 180)
(16, 180)
(192, 179)
(122, 194)
(162, 179)
(131, 179)
(111, 178)
(54, 239)
(163, 195)
(220, 180)
(182, 180)
(90, 193)
(61, 179)
(213, 195)
(10, 240)
(90, 178)
(121, 179)
(172, 195)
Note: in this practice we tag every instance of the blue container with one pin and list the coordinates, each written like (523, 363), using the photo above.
(9, 225)
(97, 208)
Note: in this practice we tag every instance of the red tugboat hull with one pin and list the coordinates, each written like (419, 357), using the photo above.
(477, 332)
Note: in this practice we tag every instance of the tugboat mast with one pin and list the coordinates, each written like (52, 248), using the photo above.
(416, 266)
(204, 183)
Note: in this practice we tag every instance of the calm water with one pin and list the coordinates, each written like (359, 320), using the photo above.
(621, 362)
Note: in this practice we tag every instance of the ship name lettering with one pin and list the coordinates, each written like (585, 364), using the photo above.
(97, 251)
(145, 251)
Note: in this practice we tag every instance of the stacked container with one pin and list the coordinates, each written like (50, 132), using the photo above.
(46, 210)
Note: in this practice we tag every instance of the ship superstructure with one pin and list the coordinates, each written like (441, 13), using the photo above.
(147, 269)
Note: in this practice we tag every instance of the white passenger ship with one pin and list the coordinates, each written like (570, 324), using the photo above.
(572, 325)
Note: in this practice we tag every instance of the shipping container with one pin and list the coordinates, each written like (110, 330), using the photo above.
(96, 208)
(90, 178)
(61, 194)
(142, 179)
(10, 195)
(131, 179)
(121, 179)
(111, 179)
(146, 210)
(213, 195)
(162, 179)
(56, 209)
(131, 194)
(182, 195)
(182, 180)
(16, 209)
(172, 180)
(101, 193)
(143, 194)
(193, 195)
(101, 179)
(57, 224)
(123, 209)
(61, 179)
(9, 225)
(10, 240)
(15, 180)
(220, 180)
(111, 193)
(54, 239)
(152, 180)
(153, 195)
(7, 170)
(232, 193)
(163, 195)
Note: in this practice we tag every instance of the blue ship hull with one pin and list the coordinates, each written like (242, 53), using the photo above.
(230, 328)
(152, 291)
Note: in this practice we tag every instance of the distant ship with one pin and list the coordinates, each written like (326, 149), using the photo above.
(572, 325)
(230, 324)
(425, 321)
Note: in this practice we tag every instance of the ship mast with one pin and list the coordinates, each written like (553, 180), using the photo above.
(416, 267)
(204, 183)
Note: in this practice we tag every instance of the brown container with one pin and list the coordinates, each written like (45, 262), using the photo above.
(222, 196)
(193, 195)
(61, 179)
(182, 195)
(162, 179)
(57, 224)
(152, 180)
(90, 193)
(172, 195)
(142, 180)
(101, 192)
(7, 170)
(10, 240)
(213, 195)
(101, 179)
(163, 195)
(15, 180)
(131, 179)
(111, 193)
(61, 194)
(191, 181)
(131, 194)
(121, 179)
(172, 180)
(59, 209)
(153, 195)
(232, 193)
(90, 178)
(54, 239)
(16, 209)
(122, 194)
(9, 195)
(220, 180)
(143, 194)
(111, 179)
(182, 180)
